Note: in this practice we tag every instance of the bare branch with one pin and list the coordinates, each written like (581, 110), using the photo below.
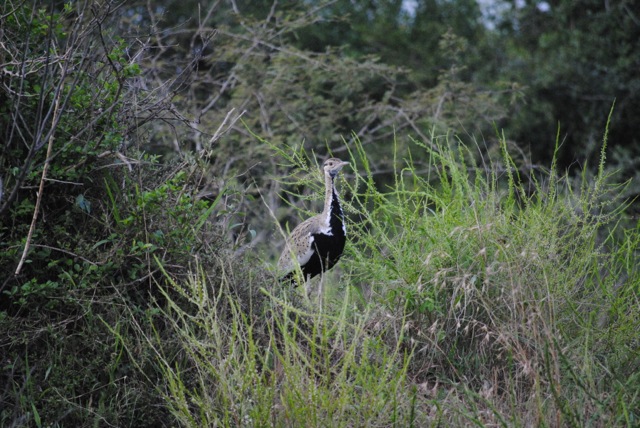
(56, 114)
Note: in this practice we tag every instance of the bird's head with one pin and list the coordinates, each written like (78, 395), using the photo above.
(332, 166)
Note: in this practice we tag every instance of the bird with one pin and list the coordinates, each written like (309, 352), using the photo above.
(317, 243)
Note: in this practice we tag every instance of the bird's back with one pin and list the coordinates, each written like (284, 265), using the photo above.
(298, 245)
(314, 246)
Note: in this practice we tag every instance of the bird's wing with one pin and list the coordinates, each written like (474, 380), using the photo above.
(299, 245)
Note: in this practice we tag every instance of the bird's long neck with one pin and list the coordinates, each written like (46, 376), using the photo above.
(329, 195)
(332, 212)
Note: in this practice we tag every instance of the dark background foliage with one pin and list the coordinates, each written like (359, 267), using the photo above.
(535, 69)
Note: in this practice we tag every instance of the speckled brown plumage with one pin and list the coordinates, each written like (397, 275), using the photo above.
(317, 243)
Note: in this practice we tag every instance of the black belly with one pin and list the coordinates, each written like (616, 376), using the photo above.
(327, 249)
(327, 252)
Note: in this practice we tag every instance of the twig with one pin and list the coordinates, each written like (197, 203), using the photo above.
(68, 253)
(45, 168)
(219, 131)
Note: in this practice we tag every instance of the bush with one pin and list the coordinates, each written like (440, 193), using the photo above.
(504, 294)
(89, 225)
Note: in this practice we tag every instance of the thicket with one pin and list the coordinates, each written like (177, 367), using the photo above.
(148, 170)
(91, 226)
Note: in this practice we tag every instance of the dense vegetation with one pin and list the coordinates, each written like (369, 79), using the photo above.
(154, 154)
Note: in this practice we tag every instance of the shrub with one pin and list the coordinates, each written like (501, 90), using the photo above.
(502, 289)
(86, 221)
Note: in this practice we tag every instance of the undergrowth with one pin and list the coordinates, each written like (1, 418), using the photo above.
(518, 301)
(463, 299)
(84, 219)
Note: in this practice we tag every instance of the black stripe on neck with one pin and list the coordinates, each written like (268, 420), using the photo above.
(336, 216)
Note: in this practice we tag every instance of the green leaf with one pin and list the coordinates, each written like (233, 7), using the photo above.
(83, 203)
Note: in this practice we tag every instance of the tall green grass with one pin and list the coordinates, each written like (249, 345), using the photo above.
(466, 296)
(282, 366)
(505, 289)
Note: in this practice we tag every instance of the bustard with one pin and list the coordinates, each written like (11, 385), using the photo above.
(317, 243)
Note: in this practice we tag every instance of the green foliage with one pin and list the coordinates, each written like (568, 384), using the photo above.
(576, 58)
(278, 365)
(84, 221)
(503, 288)
(477, 288)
